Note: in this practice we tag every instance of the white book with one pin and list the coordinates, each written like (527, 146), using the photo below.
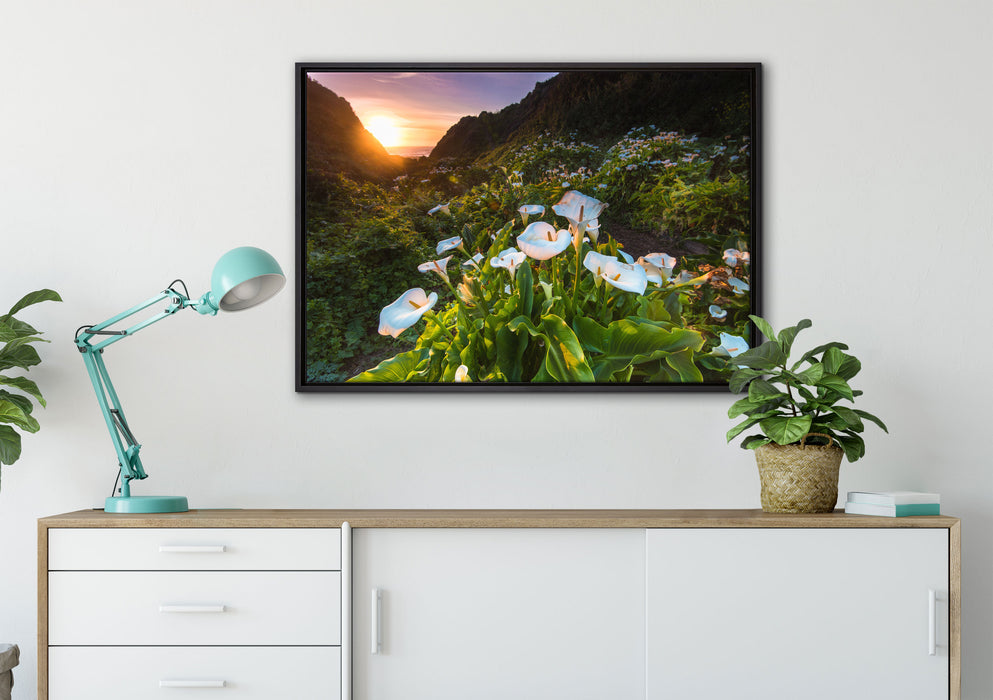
(892, 498)
(897, 511)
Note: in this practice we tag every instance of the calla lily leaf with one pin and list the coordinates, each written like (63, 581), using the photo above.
(396, 369)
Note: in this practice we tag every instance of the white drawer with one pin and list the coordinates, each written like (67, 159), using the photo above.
(194, 607)
(134, 549)
(247, 673)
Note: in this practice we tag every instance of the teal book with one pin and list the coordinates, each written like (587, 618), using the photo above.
(894, 511)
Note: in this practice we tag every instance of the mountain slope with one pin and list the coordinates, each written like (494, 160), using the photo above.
(606, 104)
(337, 141)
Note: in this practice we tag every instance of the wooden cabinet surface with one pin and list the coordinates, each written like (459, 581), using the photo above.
(574, 605)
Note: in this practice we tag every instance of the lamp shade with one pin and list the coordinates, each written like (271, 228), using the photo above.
(244, 277)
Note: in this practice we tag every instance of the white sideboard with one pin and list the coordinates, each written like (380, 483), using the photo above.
(405, 605)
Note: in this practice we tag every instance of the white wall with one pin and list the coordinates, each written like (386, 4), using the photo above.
(139, 141)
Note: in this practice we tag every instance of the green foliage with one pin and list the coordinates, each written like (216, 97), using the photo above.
(17, 353)
(554, 320)
(791, 402)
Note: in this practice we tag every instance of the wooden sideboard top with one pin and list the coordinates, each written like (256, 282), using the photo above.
(442, 518)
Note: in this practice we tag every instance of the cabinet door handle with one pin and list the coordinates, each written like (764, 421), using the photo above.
(377, 621)
(192, 684)
(191, 548)
(932, 621)
(191, 608)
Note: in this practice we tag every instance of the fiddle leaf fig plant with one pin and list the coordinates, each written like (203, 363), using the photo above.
(791, 400)
(16, 352)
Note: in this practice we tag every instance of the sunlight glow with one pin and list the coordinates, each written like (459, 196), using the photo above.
(385, 130)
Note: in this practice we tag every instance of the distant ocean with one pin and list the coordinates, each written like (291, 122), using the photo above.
(410, 151)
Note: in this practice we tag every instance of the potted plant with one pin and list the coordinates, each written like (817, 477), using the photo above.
(16, 352)
(799, 407)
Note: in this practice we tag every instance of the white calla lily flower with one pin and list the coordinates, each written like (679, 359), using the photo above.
(509, 259)
(405, 311)
(653, 273)
(579, 210)
(527, 210)
(738, 286)
(630, 278)
(734, 257)
(453, 243)
(597, 263)
(541, 241)
(462, 374)
(439, 266)
(626, 257)
(474, 261)
(664, 262)
(731, 345)
(443, 208)
(717, 312)
(593, 229)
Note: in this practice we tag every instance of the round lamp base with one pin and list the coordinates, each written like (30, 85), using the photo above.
(146, 504)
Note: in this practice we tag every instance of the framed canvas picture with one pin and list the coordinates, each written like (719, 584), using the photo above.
(468, 227)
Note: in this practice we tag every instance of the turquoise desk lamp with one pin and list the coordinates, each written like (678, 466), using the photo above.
(242, 278)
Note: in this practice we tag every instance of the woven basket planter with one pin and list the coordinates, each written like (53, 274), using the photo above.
(799, 478)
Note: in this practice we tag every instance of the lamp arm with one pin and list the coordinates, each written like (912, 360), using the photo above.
(125, 444)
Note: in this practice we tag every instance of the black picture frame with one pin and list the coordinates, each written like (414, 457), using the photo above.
(326, 166)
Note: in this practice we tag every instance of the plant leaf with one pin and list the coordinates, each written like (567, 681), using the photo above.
(869, 417)
(768, 356)
(564, 357)
(10, 445)
(25, 385)
(810, 354)
(11, 412)
(395, 369)
(764, 327)
(22, 356)
(785, 430)
(682, 362)
(33, 298)
(836, 384)
(788, 335)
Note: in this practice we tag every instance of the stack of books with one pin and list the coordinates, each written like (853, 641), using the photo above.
(893, 504)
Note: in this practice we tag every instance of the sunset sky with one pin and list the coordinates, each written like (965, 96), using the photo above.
(416, 109)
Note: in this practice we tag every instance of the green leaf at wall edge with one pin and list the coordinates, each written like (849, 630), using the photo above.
(753, 441)
(765, 328)
(785, 430)
(33, 298)
(849, 417)
(767, 356)
(25, 385)
(813, 352)
(869, 417)
(853, 445)
(788, 335)
(22, 357)
(748, 423)
(11, 412)
(10, 445)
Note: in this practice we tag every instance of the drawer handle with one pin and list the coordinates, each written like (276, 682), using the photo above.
(377, 621)
(191, 548)
(192, 684)
(192, 608)
(932, 621)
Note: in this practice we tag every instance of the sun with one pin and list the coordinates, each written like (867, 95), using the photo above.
(385, 130)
